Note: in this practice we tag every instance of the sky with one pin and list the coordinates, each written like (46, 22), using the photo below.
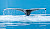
(24, 4)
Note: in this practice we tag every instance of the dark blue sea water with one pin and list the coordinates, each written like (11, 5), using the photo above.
(25, 25)
(25, 4)
(32, 25)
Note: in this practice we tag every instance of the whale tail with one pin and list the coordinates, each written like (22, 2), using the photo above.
(26, 11)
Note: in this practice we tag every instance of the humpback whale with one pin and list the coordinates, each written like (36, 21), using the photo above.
(26, 11)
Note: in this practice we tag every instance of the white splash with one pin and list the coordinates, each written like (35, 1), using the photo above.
(23, 18)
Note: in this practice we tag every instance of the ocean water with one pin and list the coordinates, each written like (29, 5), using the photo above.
(40, 21)
(7, 21)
